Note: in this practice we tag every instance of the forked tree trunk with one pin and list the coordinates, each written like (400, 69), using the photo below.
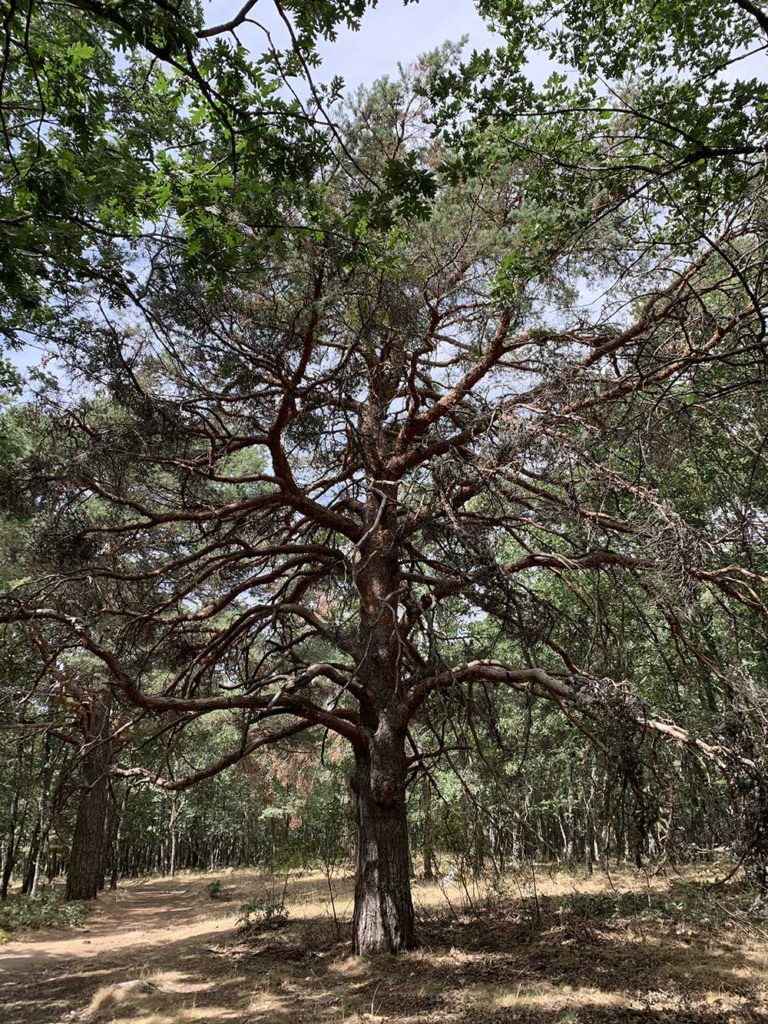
(383, 919)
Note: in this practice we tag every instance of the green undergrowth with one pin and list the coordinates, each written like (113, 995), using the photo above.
(625, 898)
(693, 902)
(47, 910)
(263, 913)
(685, 904)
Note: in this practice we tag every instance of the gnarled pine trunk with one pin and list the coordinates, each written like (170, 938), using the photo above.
(87, 859)
(383, 919)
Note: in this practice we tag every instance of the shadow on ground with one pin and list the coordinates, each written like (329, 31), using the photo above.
(547, 961)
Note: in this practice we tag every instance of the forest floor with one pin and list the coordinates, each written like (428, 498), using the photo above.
(543, 948)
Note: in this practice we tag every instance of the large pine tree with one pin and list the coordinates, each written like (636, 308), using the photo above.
(293, 486)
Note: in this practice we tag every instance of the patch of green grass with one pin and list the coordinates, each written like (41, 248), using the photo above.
(695, 903)
(48, 910)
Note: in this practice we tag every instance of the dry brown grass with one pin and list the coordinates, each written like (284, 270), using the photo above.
(544, 949)
(107, 999)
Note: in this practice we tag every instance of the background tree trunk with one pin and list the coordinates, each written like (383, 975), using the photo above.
(11, 848)
(426, 797)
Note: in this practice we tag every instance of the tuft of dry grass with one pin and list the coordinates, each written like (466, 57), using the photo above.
(124, 994)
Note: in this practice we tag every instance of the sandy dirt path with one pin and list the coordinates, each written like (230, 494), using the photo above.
(134, 931)
(143, 917)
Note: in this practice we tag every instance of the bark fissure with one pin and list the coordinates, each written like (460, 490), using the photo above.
(88, 857)
(383, 918)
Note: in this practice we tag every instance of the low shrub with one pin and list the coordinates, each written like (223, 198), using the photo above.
(266, 912)
(48, 910)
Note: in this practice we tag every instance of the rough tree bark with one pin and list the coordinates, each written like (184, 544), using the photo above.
(383, 918)
(87, 859)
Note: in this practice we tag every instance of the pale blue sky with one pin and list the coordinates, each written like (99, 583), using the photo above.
(393, 32)
(390, 33)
